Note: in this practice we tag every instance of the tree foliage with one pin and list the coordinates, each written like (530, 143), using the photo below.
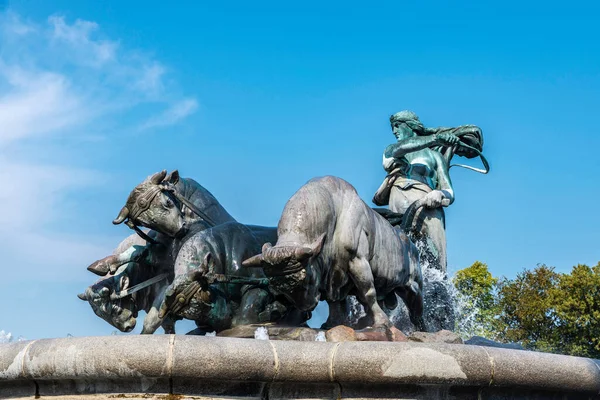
(526, 309)
(577, 307)
(476, 286)
(541, 309)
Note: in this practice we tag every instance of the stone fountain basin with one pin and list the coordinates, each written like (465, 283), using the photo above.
(217, 367)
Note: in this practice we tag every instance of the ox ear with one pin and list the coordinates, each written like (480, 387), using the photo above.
(82, 296)
(317, 245)
(173, 177)
(302, 253)
(158, 177)
(208, 258)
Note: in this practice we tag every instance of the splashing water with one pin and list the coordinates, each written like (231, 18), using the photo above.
(320, 337)
(215, 333)
(261, 333)
(5, 337)
(444, 306)
(355, 310)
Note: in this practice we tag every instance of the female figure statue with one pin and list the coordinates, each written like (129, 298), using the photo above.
(418, 168)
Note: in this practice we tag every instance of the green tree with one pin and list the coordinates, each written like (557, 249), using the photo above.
(540, 308)
(477, 303)
(526, 309)
(576, 301)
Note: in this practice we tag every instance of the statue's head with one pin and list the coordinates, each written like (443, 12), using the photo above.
(120, 313)
(153, 205)
(406, 124)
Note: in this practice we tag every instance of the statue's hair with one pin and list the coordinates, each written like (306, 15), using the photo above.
(411, 119)
(470, 135)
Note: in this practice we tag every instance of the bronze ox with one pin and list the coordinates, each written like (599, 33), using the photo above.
(173, 208)
(331, 245)
(211, 287)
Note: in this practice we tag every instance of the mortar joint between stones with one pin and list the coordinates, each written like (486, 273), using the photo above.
(598, 367)
(492, 365)
(170, 356)
(275, 359)
(333, 353)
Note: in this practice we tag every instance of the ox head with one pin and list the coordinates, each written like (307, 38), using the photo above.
(120, 313)
(285, 260)
(189, 295)
(152, 204)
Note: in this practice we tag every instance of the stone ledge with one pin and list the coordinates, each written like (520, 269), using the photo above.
(228, 367)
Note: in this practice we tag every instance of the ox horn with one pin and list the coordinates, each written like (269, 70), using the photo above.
(254, 261)
(257, 260)
(82, 296)
(158, 177)
(123, 214)
(266, 247)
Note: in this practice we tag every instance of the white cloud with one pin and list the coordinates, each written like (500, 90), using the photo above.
(150, 80)
(172, 115)
(11, 24)
(56, 76)
(78, 37)
(58, 79)
(29, 191)
(38, 103)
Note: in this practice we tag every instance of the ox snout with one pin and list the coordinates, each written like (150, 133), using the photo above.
(129, 325)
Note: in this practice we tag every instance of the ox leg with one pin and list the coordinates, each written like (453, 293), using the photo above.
(152, 322)
(414, 302)
(253, 303)
(360, 271)
(337, 314)
(169, 325)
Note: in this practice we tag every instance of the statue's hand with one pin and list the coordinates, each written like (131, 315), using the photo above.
(434, 199)
(447, 139)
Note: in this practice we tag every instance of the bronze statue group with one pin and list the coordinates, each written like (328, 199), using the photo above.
(189, 258)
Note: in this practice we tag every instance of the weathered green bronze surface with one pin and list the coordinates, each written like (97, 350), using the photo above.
(185, 260)
(418, 167)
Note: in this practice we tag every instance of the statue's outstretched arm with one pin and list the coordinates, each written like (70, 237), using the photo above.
(409, 145)
(444, 183)
(416, 143)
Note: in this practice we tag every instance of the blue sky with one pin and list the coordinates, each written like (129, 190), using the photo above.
(252, 100)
